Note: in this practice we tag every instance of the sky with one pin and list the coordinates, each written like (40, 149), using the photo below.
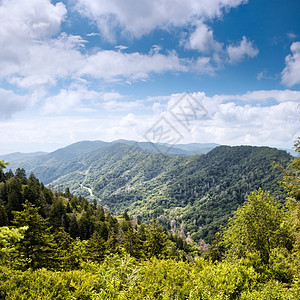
(175, 71)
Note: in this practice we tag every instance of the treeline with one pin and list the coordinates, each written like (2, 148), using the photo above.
(256, 256)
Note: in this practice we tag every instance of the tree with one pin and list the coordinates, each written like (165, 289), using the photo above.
(132, 243)
(156, 242)
(291, 182)
(38, 245)
(57, 217)
(14, 196)
(9, 237)
(73, 227)
(291, 179)
(3, 164)
(32, 191)
(3, 214)
(258, 226)
(21, 174)
(96, 247)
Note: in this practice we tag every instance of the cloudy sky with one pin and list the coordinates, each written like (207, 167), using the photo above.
(109, 69)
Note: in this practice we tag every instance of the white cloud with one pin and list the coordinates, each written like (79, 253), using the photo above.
(121, 47)
(108, 96)
(239, 52)
(291, 35)
(111, 65)
(122, 105)
(262, 95)
(11, 103)
(202, 39)
(276, 125)
(291, 72)
(22, 25)
(32, 58)
(227, 123)
(140, 17)
(67, 100)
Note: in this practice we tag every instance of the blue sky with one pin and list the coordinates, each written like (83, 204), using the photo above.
(107, 70)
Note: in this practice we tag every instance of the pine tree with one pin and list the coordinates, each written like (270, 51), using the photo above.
(3, 214)
(156, 243)
(38, 245)
(132, 243)
(96, 247)
(14, 197)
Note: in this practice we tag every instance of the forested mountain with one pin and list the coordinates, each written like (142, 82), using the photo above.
(44, 164)
(192, 195)
(58, 221)
(54, 245)
(19, 156)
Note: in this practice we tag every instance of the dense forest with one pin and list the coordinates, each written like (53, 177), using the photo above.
(54, 245)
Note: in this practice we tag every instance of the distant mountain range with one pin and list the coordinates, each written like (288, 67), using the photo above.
(191, 189)
(36, 162)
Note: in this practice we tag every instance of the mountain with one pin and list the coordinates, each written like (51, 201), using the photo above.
(16, 156)
(190, 194)
(197, 148)
(177, 149)
(193, 195)
(50, 166)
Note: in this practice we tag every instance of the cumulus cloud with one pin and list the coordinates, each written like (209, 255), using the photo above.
(147, 15)
(239, 52)
(21, 25)
(291, 72)
(202, 39)
(234, 124)
(11, 103)
(261, 96)
(34, 55)
(110, 64)
(228, 122)
(231, 121)
(67, 100)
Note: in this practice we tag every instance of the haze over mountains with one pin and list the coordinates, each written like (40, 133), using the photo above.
(191, 189)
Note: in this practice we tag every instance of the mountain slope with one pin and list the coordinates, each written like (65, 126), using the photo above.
(191, 194)
(51, 166)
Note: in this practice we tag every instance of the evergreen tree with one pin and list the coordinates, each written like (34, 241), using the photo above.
(21, 174)
(38, 245)
(14, 196)
(132, 243)
(96, 247)
(57, 217)
(32, 191)
(73, 227)
(3, 214)
(156, 243)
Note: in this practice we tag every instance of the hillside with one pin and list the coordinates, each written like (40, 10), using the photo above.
(51, 166)
(192, 195)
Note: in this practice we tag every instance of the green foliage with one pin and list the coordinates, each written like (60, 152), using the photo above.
(9, 237)
(291, 180)
(37, 246)
(258, 226)
(3, 164)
